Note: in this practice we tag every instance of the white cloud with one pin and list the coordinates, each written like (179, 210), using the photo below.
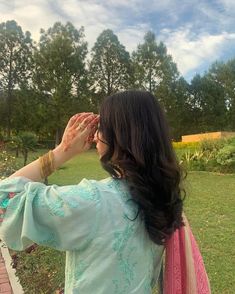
(129, 20)
(95, 16)
(190, 51)
(130, 37)
(31, 16)
(228, 4)
(34, 15)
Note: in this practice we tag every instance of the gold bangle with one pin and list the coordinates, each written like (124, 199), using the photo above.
(47, 165)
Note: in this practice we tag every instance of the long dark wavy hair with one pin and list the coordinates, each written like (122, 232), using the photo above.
(135, 129)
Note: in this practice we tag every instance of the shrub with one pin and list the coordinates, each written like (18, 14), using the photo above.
(212, 144)
(231, 141)
(193, 160)
(226, 156)
(24, 142)
(213, 155)
(40, 269)
(8, 164)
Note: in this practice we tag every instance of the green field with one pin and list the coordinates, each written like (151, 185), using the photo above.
(209, 206)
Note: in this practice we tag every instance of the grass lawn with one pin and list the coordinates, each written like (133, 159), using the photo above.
(209, 206)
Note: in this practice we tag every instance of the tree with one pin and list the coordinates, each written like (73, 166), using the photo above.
(175, 96)
(209, 103)
(155, 71)
(223, 74)
(24, 142)
(15, 62)
(59, 72)
(152, 65)
(26, 110)
(110, 68)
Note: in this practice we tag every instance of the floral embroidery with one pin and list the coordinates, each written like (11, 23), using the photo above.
(147, 284)
(75, 269)
(56, 208)
(38, 200)
(74, 192)
(111, 233)
(4, 203)
(121, 238)
(96, 221)
(126, 268)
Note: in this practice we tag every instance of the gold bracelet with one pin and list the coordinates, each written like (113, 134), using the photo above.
(47, 165)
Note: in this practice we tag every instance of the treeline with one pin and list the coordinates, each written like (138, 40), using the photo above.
(42, 84)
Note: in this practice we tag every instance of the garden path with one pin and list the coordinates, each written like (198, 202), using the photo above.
(5, 286)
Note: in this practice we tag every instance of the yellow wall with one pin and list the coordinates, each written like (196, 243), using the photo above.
(206, 136)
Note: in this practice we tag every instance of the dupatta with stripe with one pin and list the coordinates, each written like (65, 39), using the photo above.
(184, 272)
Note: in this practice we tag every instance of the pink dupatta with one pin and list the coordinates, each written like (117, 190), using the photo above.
(184, 268)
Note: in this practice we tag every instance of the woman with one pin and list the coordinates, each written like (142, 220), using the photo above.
(113, 230)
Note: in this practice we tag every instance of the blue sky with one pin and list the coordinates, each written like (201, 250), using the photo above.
(196, 32)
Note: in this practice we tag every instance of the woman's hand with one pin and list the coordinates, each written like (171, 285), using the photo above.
(79, 133)
(76, 139)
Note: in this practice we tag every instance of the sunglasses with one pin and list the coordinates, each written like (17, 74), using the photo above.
(99, 138)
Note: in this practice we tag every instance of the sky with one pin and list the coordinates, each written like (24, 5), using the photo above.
(195, 32)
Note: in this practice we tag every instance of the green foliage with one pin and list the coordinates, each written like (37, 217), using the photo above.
(152, 65)
(23, 142)
(231, 141)
(209, 102)
(223, 75)
(155, 71)
(1, 137)
(8, 164)
(40, 271)
(194, 160)
(212, 145)
(226, 156)
(211, 155)
(59, 73)
(15, 64)
(110, 67)
(53, 79)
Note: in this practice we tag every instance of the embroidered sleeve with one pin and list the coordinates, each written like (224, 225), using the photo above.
(61, 217)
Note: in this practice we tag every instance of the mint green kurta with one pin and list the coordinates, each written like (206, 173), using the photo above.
(106, 252)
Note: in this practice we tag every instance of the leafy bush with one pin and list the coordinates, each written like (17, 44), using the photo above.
(231, 141)
(8, 164)
(193, 160)
(226, 156)
(40, 269)
(213, 155)
(212, 144)
(23, 142)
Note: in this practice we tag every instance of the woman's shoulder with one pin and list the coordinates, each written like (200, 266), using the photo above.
(110, 184)
(95, 187)
(100, 184)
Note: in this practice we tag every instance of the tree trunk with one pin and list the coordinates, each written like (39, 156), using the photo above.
(58, 136)
(9, 97)
(17, 152)
(150, 80)
(25, 152)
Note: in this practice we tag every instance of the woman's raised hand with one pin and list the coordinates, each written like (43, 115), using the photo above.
(79, 133)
